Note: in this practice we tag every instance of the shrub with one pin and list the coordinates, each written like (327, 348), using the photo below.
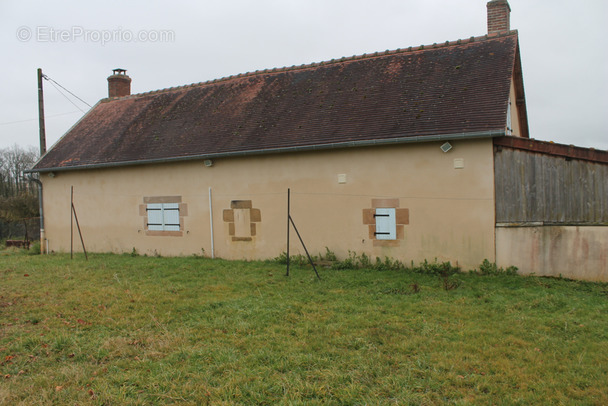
(299, 259)
(34, 248)
(490, 268)
(348, 263)
(329, 255)
(435, 268)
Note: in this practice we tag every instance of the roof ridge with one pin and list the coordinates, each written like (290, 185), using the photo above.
(292, 68)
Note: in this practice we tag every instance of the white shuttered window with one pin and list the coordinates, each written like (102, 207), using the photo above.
(386, 226)
(163, 216)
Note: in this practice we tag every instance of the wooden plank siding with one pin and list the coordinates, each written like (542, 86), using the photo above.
(538, 188)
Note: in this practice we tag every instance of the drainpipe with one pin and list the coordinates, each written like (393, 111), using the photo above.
(211, 224)
(42, 236)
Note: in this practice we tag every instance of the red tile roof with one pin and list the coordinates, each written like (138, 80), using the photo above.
(416, 94)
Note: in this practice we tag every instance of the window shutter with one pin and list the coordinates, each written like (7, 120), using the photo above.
(171, 216)
(163, 216)
(386, 226)
(155, 216)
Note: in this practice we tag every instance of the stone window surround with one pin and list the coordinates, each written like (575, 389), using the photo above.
(402, 218)
(255, 216)
(183, 212)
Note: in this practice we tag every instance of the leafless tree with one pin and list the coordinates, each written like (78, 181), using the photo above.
(13, 161)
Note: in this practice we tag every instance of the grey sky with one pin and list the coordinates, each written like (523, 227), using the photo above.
(164, 44)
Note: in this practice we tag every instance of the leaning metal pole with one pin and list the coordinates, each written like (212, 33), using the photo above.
(290, 220)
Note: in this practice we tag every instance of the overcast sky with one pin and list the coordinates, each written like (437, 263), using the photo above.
(163, 44)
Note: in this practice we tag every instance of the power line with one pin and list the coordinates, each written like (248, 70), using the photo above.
(54, 82)
(67, 98)
(35, 119)
(56, 86)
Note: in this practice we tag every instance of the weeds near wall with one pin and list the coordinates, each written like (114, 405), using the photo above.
(490, 268)
(363, 261)
(444, 270)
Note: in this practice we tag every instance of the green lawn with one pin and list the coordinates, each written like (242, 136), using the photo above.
(123, 330)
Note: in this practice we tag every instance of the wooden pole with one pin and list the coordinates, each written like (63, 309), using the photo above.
(41, 114)
(42, 131)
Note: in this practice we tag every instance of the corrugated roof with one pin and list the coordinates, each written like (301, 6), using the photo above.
(459, 87)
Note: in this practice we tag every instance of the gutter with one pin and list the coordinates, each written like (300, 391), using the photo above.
(40, 209)
(304, 148)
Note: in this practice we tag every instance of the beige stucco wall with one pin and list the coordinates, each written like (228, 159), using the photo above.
(515, 128)
(569, 251)
(451, 211)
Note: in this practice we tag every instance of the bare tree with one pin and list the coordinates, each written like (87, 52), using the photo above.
(18, 196)
(13, 161)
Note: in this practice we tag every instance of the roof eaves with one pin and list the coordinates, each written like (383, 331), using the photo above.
(304, 148)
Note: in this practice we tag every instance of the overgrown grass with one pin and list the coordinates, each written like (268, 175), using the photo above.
(137, 330)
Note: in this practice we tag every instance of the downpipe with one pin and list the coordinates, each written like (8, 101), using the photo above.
(40, 209)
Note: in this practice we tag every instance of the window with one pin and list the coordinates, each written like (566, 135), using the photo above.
(163, 216)
(386, 226)
(386, 222)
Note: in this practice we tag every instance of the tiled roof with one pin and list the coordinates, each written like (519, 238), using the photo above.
(459, 87)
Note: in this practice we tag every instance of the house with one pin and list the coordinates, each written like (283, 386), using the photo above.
(415, 153)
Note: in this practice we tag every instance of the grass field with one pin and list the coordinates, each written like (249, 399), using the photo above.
(123, 330)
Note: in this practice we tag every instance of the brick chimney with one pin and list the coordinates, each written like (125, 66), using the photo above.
(119, 84)
(499, 15)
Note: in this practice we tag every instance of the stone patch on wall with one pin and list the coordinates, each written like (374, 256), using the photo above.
(242, 218)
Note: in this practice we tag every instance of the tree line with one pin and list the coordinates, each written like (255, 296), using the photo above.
(18, 196)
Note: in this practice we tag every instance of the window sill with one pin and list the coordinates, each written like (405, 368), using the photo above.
(164, 233)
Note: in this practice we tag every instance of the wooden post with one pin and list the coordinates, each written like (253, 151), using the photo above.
(42, 131)
(41, 114)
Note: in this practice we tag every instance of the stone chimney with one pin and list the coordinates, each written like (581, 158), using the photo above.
(119, 84)
(499, 15)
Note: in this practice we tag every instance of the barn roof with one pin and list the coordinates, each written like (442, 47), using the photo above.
(452, 90)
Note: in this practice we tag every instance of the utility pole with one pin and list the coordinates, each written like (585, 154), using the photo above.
(42, 152)
(41, 114)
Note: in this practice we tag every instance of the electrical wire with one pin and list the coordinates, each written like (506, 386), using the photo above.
(35, 119)
(67, 98)
(54, 82)
(56, 86)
